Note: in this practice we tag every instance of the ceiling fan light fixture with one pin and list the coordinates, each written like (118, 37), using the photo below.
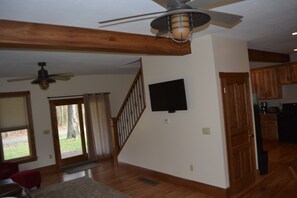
(44, 85)
(180, 26)
(179, 23)
(294, 33)
(295, 50)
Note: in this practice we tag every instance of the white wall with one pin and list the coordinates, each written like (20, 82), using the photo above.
(117, 85)
(171, 148)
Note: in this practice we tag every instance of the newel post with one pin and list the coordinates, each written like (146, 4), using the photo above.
(115, 141)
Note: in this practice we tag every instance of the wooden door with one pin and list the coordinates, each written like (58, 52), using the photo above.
(68, 135)
(239, 130)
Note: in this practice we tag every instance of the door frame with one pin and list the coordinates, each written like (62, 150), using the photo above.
(245, 75)
(84, 157)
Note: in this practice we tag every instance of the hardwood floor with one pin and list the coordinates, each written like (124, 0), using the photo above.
(277, 183)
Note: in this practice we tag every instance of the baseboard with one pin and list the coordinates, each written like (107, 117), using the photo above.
(205, 188)
(48, 169)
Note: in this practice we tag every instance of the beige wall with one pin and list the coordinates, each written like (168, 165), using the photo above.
(172, 148)
(117, 85)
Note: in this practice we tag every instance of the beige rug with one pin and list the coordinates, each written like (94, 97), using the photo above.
(83, 187)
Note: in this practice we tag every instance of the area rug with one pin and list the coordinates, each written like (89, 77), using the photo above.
(80, 167)
(83, 187)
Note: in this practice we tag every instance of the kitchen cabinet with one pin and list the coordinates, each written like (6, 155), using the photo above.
(284, 74)
(265, 83)
(287, 73)
(269, 127)
(293, 72)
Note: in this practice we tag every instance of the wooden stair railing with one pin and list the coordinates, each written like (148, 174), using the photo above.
(129, 114)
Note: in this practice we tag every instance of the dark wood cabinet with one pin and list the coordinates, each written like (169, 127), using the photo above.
(293, 72)
(283, 74)
(287, 73)
(269, 127)
(265, 83)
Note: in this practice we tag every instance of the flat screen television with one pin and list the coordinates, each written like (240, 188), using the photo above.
(168, 96)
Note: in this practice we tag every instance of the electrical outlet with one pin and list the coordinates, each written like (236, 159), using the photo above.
(206, 131)
(191, 167)
(50, 156)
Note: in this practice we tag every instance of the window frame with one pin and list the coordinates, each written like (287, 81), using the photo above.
(30, 129)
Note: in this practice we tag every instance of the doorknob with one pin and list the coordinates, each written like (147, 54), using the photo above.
(251, 135)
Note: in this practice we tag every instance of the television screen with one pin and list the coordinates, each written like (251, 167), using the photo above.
(168, 96)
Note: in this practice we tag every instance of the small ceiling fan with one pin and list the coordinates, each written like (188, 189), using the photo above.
(182, 16)
(43, 78)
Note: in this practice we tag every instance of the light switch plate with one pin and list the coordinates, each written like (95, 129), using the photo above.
(45, 132)
(166, 121)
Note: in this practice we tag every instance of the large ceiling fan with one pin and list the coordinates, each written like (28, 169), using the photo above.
(43, 78)
(182, 16)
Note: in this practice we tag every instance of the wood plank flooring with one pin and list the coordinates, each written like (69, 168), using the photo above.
(277, 183)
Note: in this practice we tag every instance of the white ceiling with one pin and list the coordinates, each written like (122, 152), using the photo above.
(266, 25)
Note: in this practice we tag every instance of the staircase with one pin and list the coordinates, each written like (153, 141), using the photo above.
(129, 114)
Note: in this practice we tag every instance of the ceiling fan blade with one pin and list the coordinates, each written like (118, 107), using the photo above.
(61, 77)
(167, 3)
(208, 4)
(61, 74)
(21, 79)
(130, 17)
(129, 21)
(222, 18)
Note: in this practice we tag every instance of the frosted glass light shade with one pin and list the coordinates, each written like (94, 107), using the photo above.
(44, 84)
(180, 26)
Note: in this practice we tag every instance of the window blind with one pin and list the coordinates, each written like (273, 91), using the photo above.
(13, 113)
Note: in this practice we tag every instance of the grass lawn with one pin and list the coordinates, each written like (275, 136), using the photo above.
(21, 148)
(16, 150)
(70, 145)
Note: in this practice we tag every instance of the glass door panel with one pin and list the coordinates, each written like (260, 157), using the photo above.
(69, 131)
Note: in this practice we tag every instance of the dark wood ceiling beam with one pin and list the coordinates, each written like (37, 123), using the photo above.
(264, 56)
(24, 35)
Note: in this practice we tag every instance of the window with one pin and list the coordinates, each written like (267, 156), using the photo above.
(16, 128)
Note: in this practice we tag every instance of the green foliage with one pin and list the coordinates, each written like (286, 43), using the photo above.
(16, 150)
(70, 145)
(21, 149)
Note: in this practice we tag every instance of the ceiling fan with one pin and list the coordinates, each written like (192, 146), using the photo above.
(43, 78)
(182, 16)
